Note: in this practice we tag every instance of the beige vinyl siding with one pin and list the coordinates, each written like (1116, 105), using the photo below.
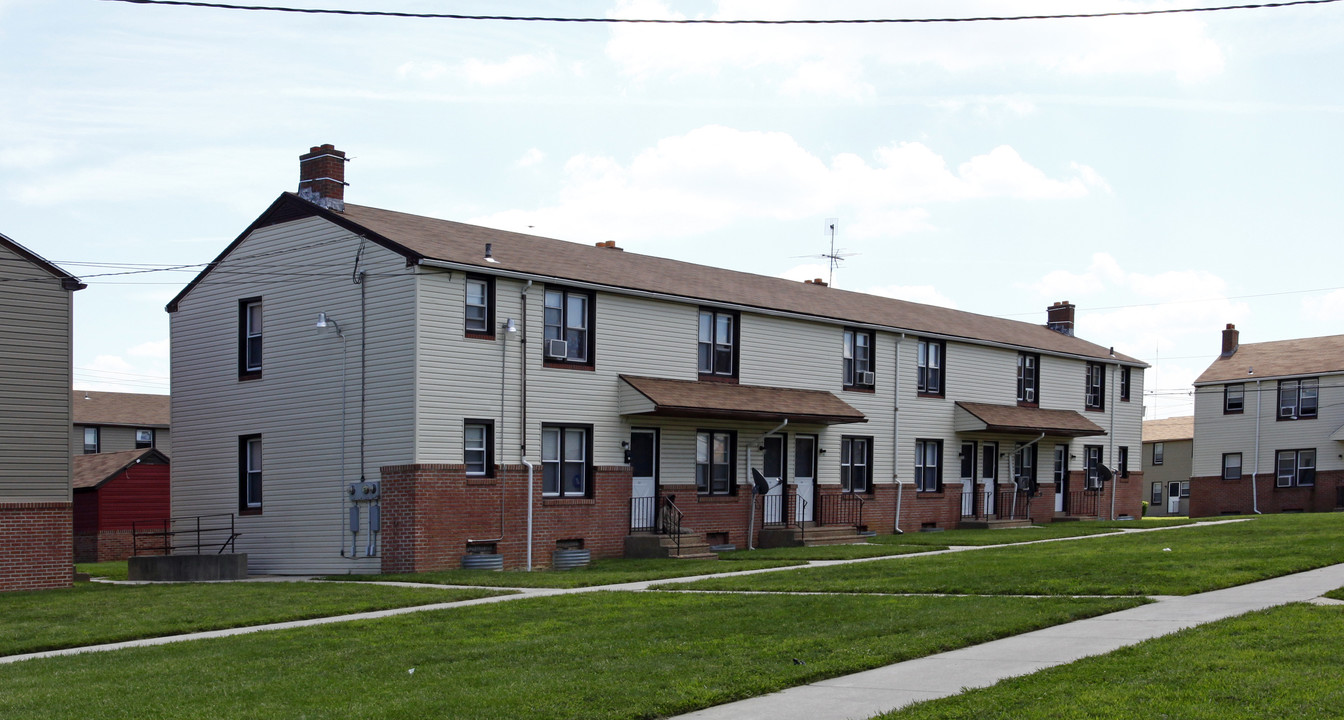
(34, 372)
(296, 406)
(1216, 433)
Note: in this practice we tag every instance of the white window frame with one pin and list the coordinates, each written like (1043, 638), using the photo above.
(97, 443)
(559, 459)
(858, 357)
(716, 346)
(476, 452)
(929, 364)
(1227, 466)
(481, 305)
(1234, 392)
(561, 322)
(252, 473)
(1028, 378)
(856, 454)
(1095, 387)
(1159, 453)
(715, 450)
(253, 321)
(1299, 399)
(928, 465)
(1299, 470)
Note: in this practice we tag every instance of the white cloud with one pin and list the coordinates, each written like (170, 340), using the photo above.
(113, 373)
(926, 294)
(714, 175)
(1327, 308)
(533, 156)
(839, 59)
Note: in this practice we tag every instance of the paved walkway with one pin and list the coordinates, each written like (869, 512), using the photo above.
(874, 692)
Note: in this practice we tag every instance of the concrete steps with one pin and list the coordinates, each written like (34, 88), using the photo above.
(810, 535)
(650, 545)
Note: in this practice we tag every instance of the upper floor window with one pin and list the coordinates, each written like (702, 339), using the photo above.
(1028, 378)
(1297, 398)
(1158, 450)
(1234, 398)
(856, 462)
(930, 367)
(144, 438)
(249, 338)
(569, 317)
(1092, 466)
(1122, 460)
(718, 336)
(1231, 466)
(91, 440)
(1095, 397)
(858, 363)
(929, 465)
(478, 447)
(249, 473)
(565, 466)
(1295, 467)
(715, 462)
(1124, 383)
(480, 306)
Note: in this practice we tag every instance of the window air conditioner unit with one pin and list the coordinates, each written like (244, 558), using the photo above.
(867, 378)
(557, 349)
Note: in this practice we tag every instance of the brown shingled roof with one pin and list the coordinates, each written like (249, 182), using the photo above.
(1016, 419)
(109, 408)
(1301, 356)
(90, 471)
(688, 398)
(1169, 429)
(461, 243)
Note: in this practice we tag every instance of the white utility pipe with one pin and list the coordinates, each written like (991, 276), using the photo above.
(529, 511)
(1255, 491)
(896, 435)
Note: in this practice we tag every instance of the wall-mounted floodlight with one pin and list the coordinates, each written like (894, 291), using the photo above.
(324, 322)
(510, 326)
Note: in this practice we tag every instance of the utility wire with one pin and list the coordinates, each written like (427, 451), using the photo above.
(706, 21)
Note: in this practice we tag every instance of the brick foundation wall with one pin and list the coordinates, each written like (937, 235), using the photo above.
(105, 546)
(431, 512)
(38, 543)
(1212, 495)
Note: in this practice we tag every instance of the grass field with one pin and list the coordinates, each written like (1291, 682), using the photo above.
(1287, 662)
(94, 613)
(609, 571)
(591, 656)
(1027, 534)
(1173, 562)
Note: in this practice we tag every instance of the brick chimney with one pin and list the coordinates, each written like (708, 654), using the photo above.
(322, 177)
(1059, 317)
(1231, 340)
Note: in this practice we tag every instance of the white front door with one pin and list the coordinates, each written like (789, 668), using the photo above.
(1061, 476)
(1174, 498)
(967, 479)
(774, 474)
(644, 484)
(804, 477)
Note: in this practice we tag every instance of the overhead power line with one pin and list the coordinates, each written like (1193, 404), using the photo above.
(708, 21)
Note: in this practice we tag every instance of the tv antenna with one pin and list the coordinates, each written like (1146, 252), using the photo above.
(833, 258)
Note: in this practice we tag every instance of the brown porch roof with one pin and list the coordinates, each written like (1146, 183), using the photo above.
(687, 398)
(90, 471)
(984, 417)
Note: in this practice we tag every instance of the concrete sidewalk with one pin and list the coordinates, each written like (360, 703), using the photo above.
(873, 692)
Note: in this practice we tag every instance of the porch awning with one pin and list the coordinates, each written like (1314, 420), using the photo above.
(688, 398)
(1011, 419)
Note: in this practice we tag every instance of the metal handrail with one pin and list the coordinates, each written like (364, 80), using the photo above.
(1083, 502)
(166, 531)
(800, 511)
(669, 520)
(845, 508)
(1016, 502)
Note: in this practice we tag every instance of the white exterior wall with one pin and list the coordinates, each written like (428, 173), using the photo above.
(35, 366)
(1216, 433)
(296, 406)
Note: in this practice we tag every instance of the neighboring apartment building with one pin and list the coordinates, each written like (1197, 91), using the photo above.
(516, 394)
(1269, 428)
(108, 422)
(1168, 451)
(36, 305)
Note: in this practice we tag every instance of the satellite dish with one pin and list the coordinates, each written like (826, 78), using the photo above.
(759, 484)
(1104, 475)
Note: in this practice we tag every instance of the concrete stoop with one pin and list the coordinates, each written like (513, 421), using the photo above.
(810, 535)
(994, 524)
(651, 545)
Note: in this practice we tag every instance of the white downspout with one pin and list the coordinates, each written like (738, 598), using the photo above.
(896, 436)
(1255, 491)
(529, 511)
(751, 517)
(1115, 481)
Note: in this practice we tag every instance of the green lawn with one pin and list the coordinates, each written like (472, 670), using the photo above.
(609, 571)
(827, 552)
(1287, 662)
(1028, 534)
(110, 570)
(94, 613)
(590, 656)
(1175, 562)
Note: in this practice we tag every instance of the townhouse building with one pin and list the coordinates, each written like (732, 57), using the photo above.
(36, 306)
(109, 422)
(1269, 428)
(1168, 451)
(374, 391)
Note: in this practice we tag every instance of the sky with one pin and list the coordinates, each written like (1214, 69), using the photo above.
(1166, 174)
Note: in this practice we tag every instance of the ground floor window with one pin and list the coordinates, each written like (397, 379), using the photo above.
(1231, 466)
(715, 462)
(929, 465)
(1092, 464)
(856, 462)
(478, 447)
(249, 473)
(1024, 468)
(1156, 496)
(1295, 468)
(565, 466)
